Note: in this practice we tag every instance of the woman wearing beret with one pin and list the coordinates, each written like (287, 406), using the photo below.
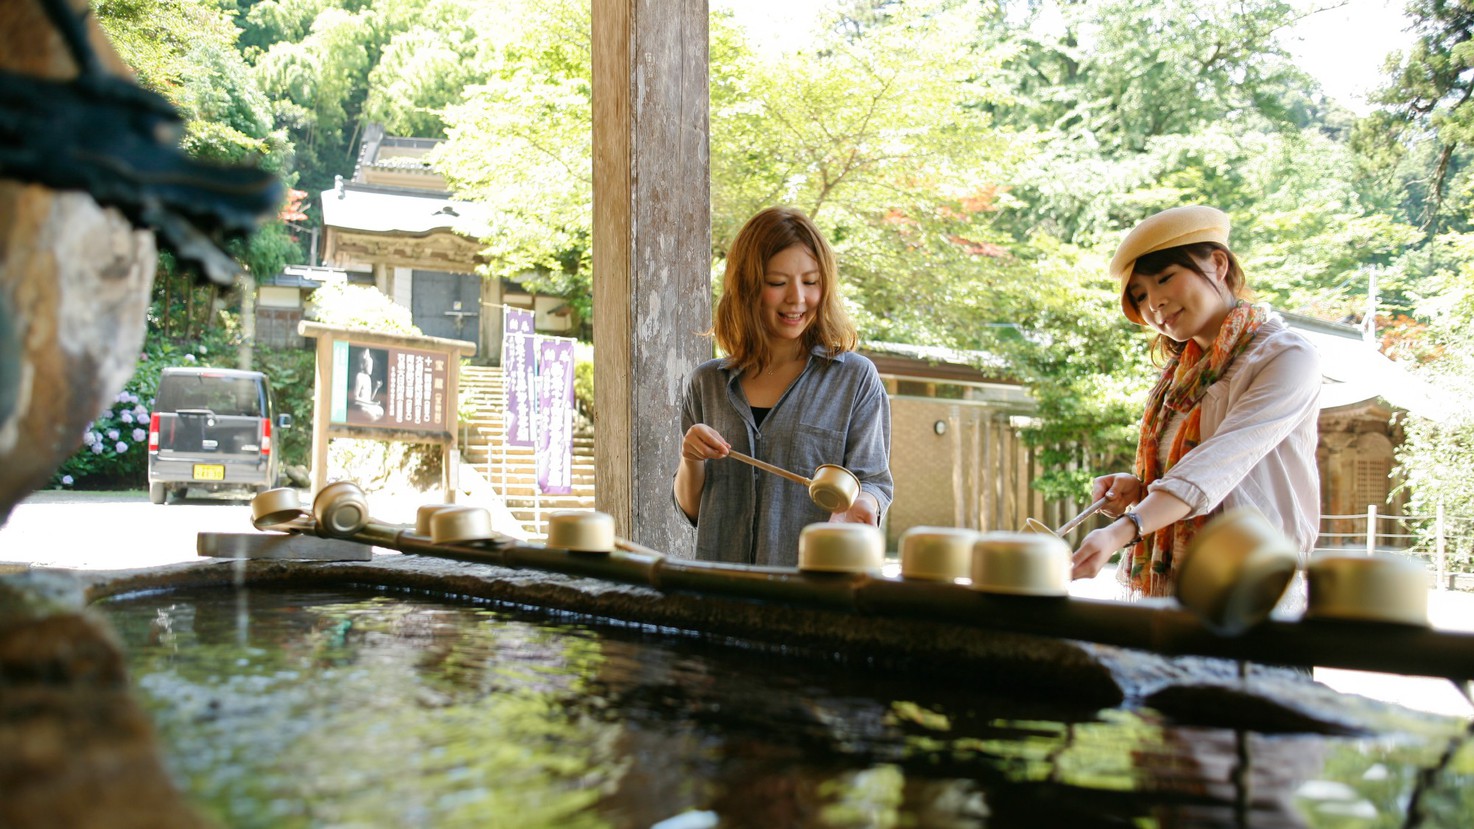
(791, 391)
(1231, 421)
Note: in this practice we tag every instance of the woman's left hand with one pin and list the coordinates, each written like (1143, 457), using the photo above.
(1097, 548)
(864, 511)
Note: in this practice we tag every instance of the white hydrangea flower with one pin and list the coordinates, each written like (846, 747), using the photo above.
(139, 435)
(126, 416)
(121, 447)
(112, 434)
(97, 448)
(66, 480)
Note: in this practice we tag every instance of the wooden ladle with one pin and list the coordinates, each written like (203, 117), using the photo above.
(833, 488)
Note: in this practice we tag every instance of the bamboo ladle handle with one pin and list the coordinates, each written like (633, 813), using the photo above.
(776, 470)
(1075, 522)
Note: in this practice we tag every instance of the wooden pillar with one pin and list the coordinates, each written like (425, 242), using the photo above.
(652, 252)
(321, 411)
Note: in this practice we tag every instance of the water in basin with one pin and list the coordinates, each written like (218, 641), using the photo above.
(285, 708)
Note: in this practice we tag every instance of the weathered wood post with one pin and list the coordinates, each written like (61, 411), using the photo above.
(652, 251)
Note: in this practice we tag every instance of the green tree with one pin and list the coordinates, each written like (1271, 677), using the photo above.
(520, 141)
(433, 56)
(266, 22)
(1116, 73)
(329, 66)
(361, 307)
(318, 85)
(875, 133)
(186, 51)
(1106, 83)
(1428, 95)
(1438, 453)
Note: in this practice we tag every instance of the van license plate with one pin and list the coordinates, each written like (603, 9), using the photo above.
(209, 472)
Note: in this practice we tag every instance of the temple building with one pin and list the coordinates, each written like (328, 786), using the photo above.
(393, 224)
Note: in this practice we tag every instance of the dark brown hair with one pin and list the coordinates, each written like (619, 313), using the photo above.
(739, 329)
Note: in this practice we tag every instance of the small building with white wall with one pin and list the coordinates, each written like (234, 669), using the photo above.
(393, 224)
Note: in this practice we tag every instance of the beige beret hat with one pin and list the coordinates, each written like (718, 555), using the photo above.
(1169, 229)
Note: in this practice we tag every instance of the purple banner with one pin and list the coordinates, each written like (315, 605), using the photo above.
(555, 398)
(519, 367)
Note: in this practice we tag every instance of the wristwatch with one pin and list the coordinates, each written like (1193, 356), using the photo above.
(1135, 520)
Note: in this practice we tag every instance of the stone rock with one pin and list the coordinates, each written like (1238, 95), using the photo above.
(35, 594)
(75, 280)
(76, 749)
(298, 476)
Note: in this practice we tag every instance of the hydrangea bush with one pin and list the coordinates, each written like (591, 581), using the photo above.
(112, 450)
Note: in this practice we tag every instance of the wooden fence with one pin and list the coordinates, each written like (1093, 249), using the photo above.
(1446, 543)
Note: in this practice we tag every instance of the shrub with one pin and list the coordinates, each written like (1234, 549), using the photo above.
(360, 307)
(583, 387)
(113, 450)
(291, 372)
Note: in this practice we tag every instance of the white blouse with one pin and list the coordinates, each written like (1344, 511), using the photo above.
(1259, 434)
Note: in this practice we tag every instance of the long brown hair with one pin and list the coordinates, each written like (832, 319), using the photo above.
(739, 328)
(1163, 347)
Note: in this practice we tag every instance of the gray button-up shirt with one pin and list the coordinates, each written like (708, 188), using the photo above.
(836, 412)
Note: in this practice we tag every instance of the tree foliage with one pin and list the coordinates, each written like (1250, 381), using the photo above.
(361, 307)
(876, 135)
(1422, 132)
(1439, 452)
(1117, 73)
(521, 141)
(1414, 151)
(974, 164)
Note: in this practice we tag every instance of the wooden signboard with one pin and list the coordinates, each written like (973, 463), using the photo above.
(385, 387)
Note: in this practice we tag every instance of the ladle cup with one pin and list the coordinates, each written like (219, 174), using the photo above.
(833, 488)
(278, 508)
(1034, 525)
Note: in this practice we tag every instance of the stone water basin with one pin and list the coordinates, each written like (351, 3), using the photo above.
(412, 691)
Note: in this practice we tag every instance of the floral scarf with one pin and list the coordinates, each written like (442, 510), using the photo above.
(1184, 381)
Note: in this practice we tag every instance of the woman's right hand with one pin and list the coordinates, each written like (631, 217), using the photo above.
(702, 442)
(1120, 489)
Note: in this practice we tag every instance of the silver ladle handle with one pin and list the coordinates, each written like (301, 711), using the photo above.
(1075, 522)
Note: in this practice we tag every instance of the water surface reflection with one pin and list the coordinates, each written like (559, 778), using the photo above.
(295, 709)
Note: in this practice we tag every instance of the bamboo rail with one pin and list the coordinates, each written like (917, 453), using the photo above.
(1156, 626)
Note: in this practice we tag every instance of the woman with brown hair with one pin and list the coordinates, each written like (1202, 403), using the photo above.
(791, 391)
(1231, 421)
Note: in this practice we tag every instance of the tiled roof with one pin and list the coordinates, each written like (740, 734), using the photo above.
(1354, 371)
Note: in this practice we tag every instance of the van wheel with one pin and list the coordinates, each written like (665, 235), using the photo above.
(157, 494)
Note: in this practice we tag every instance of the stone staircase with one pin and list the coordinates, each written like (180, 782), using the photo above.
(512, 470)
